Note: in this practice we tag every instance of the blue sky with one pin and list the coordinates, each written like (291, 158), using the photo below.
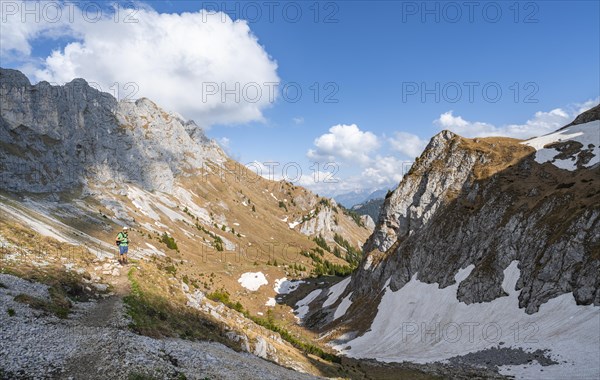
(372, 61)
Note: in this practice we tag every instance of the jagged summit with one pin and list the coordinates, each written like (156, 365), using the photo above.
(14, 77)
(590, 115)
(94, 138)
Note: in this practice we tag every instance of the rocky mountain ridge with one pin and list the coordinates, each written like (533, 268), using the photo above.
(504, 207)
(471, 214)
(55, 138)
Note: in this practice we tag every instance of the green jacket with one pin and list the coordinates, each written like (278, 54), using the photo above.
(123, 239)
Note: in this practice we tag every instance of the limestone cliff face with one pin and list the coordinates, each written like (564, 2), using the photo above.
(413, 203)
(57, 138)
(485, 202)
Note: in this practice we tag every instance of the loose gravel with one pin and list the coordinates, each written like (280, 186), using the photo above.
(94, 343)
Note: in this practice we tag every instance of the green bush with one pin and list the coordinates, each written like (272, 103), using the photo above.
(324, 267)
(218, 243)
(327, 268)
(320, 241)
(219, 296)
(354, 217)
(169, 241)
(353, 255)
(170, 269)
(325, 202)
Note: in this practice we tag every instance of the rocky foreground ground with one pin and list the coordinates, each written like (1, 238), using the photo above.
(94, 343)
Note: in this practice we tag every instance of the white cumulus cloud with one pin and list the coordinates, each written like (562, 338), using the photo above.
(346, 143)
(465, 128)
(407, 144)
(386, 170)
(183, 62)
(582, 107)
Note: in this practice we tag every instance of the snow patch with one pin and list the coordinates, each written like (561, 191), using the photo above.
(229, 245)
(171, 214)
(343, 307)
(336, 291)
(587, 134)
(163, 226)
(368, 262)
(253, 281)
(155, 250)
(271, 302)
(302, 305)
(149, 227)
(284, 286)
(187, 199)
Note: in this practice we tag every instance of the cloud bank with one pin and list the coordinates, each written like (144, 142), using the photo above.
(202, 65)
(542, 122)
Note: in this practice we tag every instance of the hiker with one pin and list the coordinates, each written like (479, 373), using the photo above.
(123, 244)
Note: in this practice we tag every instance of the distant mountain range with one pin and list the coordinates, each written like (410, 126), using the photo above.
(371, 208)
(357, 197)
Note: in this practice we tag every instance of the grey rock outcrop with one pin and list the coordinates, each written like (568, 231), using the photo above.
(59, 138)
(413, 203)
(587, 116)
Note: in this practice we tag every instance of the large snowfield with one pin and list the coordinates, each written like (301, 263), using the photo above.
(422, 323)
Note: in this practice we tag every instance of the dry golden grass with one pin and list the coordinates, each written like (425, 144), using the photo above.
(28, 255)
